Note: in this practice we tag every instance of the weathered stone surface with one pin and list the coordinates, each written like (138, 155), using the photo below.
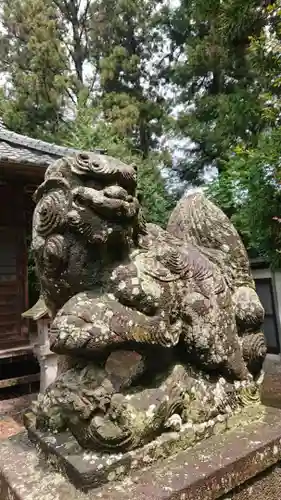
(158, 330)
(123, 367)
(229, 466)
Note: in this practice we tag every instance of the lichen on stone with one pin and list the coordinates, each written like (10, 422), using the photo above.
(158, 330)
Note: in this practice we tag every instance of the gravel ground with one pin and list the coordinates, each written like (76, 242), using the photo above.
(11, 411)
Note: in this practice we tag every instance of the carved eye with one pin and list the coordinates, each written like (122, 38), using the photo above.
(83, 157)
(81, 165)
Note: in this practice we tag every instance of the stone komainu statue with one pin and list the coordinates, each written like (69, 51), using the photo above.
(156, 328)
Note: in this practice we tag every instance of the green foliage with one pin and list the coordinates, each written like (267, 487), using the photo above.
(219, 87)
(249, 191)
(125, 36)
(248, 187)
(55, 53)
(228, 82)
(35, 63)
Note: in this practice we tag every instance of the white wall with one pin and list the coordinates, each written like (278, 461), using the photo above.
(261, 274)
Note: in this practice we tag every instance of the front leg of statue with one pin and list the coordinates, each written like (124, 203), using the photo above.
(90, 324)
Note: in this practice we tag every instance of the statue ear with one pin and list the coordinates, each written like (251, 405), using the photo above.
(52, 183)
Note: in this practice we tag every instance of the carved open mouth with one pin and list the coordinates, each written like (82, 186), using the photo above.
(112, 203)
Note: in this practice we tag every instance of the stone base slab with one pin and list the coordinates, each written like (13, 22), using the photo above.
(87, 469)
(235, 465)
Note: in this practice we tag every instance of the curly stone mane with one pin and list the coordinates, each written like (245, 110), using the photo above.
(86, 206)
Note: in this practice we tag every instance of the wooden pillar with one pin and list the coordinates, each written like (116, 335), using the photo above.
(46, 358)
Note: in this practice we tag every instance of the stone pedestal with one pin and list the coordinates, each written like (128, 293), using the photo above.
(241, 464)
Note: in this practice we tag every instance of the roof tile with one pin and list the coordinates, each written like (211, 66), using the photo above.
(20, 149)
